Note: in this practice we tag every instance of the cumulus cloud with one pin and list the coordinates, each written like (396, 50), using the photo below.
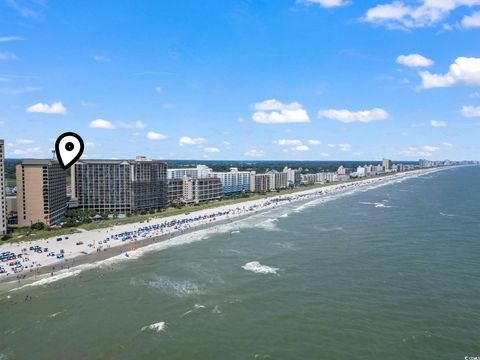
(438, 123)
(400, 14)
(348, 116)
(101, 124)
(275, 112)
(211, 150)
(414, 60)
(187, 140)
(463, 71)
(471, 21)
(447, 145)
(135, 125)
(325, 3)
(152, 135)
(471, 111)
(28, 151)
(301, 148)
(288, 142)
(101, 58)
(344, 147)
(425, 151)
(314, 142)
(254, 152)
(55, 108)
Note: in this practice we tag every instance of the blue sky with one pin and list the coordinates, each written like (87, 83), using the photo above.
(243, 79)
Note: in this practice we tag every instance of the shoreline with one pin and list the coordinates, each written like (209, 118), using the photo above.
(158, 230)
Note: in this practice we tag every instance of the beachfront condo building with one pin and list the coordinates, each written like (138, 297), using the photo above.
(233, 182)
(293, 176)
(278, 180)
(3, 201)
(199, 172)
(191, 190)
(41, 192)
(120, 186)
(386, 164)
(260, 183)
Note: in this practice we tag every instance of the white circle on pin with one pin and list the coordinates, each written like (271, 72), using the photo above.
(68, 147)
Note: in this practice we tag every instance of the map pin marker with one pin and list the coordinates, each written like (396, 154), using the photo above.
(68, 147)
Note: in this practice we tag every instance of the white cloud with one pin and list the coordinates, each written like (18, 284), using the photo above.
(24, 141)
(7, 55)
(241, 120)
(101, 58)
(325, 3)
(101, 124)
(471, 21)
(301, 148)
(275, 112)
(187, 140)
(447, 145)
(475, 95)
(471, 111)
(211, 150)
(438, 123)
(89, 144)
(135, 125)
(401, 14)
(288, 142)
(254, 152)
(344, 147)
(425, 151)
(314, 142)
(27, 152)
(348, 116)
(158, 89)
(331, 145)
(9, 38)
(152, 135)
(324, 154)
(464, 70)
(55, 108)
(414, 60)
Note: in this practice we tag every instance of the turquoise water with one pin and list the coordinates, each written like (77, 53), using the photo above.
(389, 273)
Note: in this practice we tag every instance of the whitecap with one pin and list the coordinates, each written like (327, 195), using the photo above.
(256, 267)
(195, 308)
(157, 327)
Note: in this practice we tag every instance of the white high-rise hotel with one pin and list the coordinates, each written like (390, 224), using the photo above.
(3, 202)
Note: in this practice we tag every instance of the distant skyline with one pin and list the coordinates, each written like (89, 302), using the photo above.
(242, 79)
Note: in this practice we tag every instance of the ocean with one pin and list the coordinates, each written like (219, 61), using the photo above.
(391, 272)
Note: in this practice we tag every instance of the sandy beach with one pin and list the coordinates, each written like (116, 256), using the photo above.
(67, 252)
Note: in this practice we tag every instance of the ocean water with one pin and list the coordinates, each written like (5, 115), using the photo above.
(388, 273)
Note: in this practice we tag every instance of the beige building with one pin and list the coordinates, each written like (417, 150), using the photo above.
(260, 183)
(3, 202)
(41, 192)
(191, 190)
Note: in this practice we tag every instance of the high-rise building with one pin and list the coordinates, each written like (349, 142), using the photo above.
(41, 192)
(120, 185)
(3, 201)
(188, 190)
(234, 181)
(199, 172)
(260, 183)
(293, 176)
(341, 170)
(278, 180)
(387, 164)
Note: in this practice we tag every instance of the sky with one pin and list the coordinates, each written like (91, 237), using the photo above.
(242, 79)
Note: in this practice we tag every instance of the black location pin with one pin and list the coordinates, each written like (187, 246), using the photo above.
(68, 147)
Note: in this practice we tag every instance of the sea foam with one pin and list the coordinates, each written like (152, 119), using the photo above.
(157, 327)
(256, 267)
